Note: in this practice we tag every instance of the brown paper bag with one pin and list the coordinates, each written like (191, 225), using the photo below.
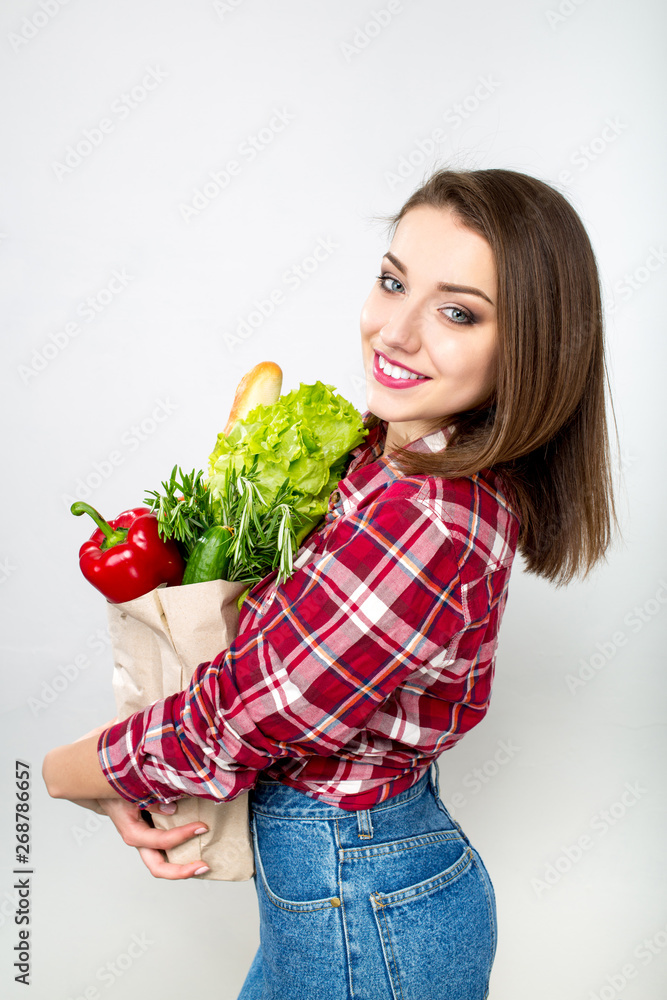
(158, 641)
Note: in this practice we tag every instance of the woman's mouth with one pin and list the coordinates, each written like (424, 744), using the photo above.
(394, 376)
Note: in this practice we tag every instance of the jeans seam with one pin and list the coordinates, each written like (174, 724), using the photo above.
(492, 920)
(394, 977)
(302, 908)
(342, 908)
(434, 884)
(426, 840)
(301, 819)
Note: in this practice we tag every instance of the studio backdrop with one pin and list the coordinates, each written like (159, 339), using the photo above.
(191, 188)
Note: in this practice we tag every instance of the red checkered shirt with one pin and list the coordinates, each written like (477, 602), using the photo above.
(350, 678)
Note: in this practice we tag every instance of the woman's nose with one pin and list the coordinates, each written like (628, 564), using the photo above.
(402, 331)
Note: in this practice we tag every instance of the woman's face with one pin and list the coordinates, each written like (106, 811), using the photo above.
(432, 314)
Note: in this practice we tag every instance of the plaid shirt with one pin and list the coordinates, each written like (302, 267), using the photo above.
(351, 677)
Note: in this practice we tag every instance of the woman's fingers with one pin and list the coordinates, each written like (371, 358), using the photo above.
(150, 842)
(160, 868)
(137, 833)
(163, 808)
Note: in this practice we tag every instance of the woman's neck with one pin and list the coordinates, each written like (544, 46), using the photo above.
(402, 433)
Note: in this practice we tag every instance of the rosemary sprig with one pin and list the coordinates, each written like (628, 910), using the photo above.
(185, 510)
(265, 533)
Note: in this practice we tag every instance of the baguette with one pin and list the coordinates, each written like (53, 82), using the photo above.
(261, 385)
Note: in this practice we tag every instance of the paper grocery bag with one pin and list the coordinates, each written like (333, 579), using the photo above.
(158, 641)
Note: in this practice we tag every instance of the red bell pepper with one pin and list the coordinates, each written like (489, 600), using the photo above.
(126, 557)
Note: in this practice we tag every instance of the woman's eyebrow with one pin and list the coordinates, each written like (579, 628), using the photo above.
(442, 286)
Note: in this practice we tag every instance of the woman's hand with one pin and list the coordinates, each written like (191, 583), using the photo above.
(73, 772)
(150, 843)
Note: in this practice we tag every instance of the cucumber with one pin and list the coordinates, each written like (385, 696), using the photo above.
(208, 559)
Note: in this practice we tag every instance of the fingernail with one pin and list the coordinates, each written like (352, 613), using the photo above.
(200, 871)
(201, 829)
(169, 808)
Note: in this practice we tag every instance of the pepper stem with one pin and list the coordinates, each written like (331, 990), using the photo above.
(112, 536)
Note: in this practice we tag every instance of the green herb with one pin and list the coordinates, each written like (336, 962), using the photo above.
(264, 533)
(185, 510)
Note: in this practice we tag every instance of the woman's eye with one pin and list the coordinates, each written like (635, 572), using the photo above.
(383, 279)
(458, 316)
(453, 313)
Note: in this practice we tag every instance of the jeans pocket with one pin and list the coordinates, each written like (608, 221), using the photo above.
(301, 930)
(439, 935)
(296, 862)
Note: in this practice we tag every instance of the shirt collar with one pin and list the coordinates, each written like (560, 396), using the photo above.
(373, 444)
(368, 469)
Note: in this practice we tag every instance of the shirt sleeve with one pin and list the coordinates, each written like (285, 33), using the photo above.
(334, 642)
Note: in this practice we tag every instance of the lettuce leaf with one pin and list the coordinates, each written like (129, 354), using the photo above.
(305, 438)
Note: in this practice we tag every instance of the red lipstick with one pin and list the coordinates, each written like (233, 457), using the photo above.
(395, 383)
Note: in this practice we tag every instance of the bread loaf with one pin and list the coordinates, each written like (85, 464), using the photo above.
(261, 385)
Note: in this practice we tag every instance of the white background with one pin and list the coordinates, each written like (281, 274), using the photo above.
(110, 403)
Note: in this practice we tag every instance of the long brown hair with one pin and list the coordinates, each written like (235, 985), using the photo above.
(544, 428)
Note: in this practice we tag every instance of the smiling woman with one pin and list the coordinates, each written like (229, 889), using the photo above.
(430, 346)
(517, 362)
(483, 352)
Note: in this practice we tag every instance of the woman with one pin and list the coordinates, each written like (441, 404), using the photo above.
(483, 351)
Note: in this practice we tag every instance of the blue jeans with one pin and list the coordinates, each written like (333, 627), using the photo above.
(388, 903)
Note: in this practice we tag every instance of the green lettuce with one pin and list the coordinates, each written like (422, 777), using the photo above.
(304, 438)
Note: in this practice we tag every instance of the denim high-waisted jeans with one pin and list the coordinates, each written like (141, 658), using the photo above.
(388, 903)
